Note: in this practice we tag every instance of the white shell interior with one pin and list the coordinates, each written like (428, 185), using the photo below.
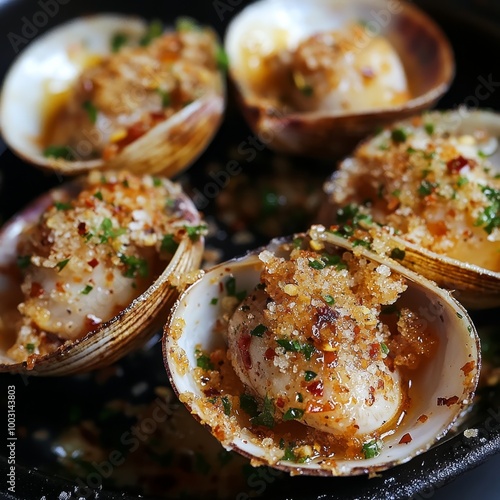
(443, 377)
(47, 67)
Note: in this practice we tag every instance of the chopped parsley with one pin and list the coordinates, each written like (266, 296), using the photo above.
(134, 266)
(166, 99)
(155, 29)
(490, 217)
(91, 111)
(30, 348)
(429, 128)
(293, 414)
(384, 348)
(214, 301)
(329, 300)
(157, 182)
(62, 206)
(108, 231)
(297, 242)
(462, 181)
(258, 331)
(168, 244)
(327, 260)
(194, 232)
(222, 58)
(266, 416)
(426, 188)
(299, 398)
(62, 264)
(310, 375)
(203, 361)
(249, 405)
(55, 151)
(23, 261)
(295, 346)
(87, 290)
(226, 404)
(372, 449)
(289, 455)
(361, 243)
(118, 41)
(98, 195)
(397, 253)
(399, 135)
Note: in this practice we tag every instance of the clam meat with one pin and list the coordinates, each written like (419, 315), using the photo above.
(434, 180)
(319, 357)
(95, 258)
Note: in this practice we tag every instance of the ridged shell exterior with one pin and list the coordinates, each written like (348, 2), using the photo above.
(194, 316)
(422, 46)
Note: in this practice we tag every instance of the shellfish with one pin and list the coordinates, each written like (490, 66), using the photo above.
(320, 358)
(109, 92)
(89, 270)
(313, 78)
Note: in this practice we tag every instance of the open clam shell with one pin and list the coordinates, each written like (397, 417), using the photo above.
(436, 190)
(259, 41)
(44, 79)
(194, 327)
(109, 340)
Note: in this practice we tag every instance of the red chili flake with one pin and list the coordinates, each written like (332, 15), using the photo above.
(210, 393)
(468, 367)
(371, 397)
(454, 166)
(36, 290)
(374, 351)
(423, 418)
(82, 229)
(221, 286)
(331, 359)
(269, 354)
(280, 403)
(93, 263)
(406, 439)
(244, 347)
(316, 388)
(448, 401)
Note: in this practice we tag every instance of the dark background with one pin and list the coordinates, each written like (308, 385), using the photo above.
(476, 43)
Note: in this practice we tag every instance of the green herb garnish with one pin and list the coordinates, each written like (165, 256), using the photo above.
(214, 301)
(222, 58)
(429, 128)
(87, 290)
(258, 331)
(135, 266)
(426, 188)
(329, 300)
(399, 135)
(384, 348)
(168, 244)
(108, 231)
(98, 195)
(226, 404)
(309, 375)
(166, 99)
(62, 264)
(59, 152)
(62, 206)
(490, 217)
(249, 405)
(266, 416)
(118, 41)
(293, 414)
(30, 348)
(203, 361)
(91, 111)
(194, 232)
(372, 448)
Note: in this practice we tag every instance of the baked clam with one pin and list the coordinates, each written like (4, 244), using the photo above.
(433, 181)
(111, 92)
(315, 77)
(89, 270)
(319, 357)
